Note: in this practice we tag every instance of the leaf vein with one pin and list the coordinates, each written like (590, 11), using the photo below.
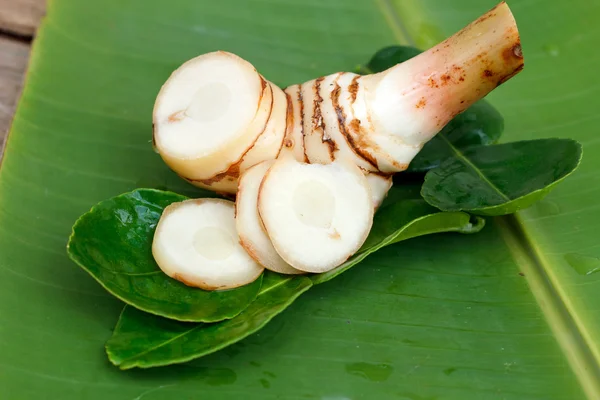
(465, 160)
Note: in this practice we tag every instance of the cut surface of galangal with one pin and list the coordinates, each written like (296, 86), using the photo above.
(209, 113)
(252, 235)
(196, 243)
(266, 147)
(316, 215)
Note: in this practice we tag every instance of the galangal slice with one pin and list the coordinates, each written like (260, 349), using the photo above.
(316, 215)
(196, 243)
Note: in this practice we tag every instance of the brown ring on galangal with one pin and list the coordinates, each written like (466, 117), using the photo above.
(203, 285)
(263, 84)
(154, 137)
(355, 126)
(341, 116)
(287, 141)
(361, 145)
(353, 89)
(378, 173)
(301, 102)
(317, 119)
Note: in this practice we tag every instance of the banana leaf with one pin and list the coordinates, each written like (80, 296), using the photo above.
(510, 313)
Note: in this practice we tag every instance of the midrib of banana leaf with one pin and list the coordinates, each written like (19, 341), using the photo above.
(445, 317)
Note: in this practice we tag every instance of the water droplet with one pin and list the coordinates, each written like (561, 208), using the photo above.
(265, 383)
(547, 207)
(124, 216)
(508, 366)
(392, 288)
(270, 374)
(552, 50)
(217, 376)
(319, 312)
(584, 265)
(371, 372)
(232, 351)
(266, 335)
(449, 371)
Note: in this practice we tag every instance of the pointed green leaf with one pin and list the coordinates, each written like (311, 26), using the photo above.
(445, 316)
(144, 340)
(113, 243)
(501, 179)
(480, 125)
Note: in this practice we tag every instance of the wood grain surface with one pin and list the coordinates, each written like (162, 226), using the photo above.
(18, 22)
(21, 17)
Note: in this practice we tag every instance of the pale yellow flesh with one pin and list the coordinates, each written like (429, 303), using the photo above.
(266, 147)
(196, 243)
(249, 227)
(356, 132)
(315, 215)
(199, 138)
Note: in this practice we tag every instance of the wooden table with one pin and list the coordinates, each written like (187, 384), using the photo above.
(18, 22)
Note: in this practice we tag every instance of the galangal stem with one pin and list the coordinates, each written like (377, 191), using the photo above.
(416, 99)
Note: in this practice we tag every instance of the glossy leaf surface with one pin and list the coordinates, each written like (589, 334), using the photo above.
(480, 125)
(501, 179)
(144, 340)
(440, 317)
(113, 243)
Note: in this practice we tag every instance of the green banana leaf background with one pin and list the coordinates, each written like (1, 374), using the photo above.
(510, 313)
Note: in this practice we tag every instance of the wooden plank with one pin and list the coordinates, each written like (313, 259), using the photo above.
(14, 56)
(21, 16)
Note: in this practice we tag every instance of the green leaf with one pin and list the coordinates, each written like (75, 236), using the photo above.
(501, 179)
(480, 124)
(444, 316)
(113, 243)
(143, 340)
